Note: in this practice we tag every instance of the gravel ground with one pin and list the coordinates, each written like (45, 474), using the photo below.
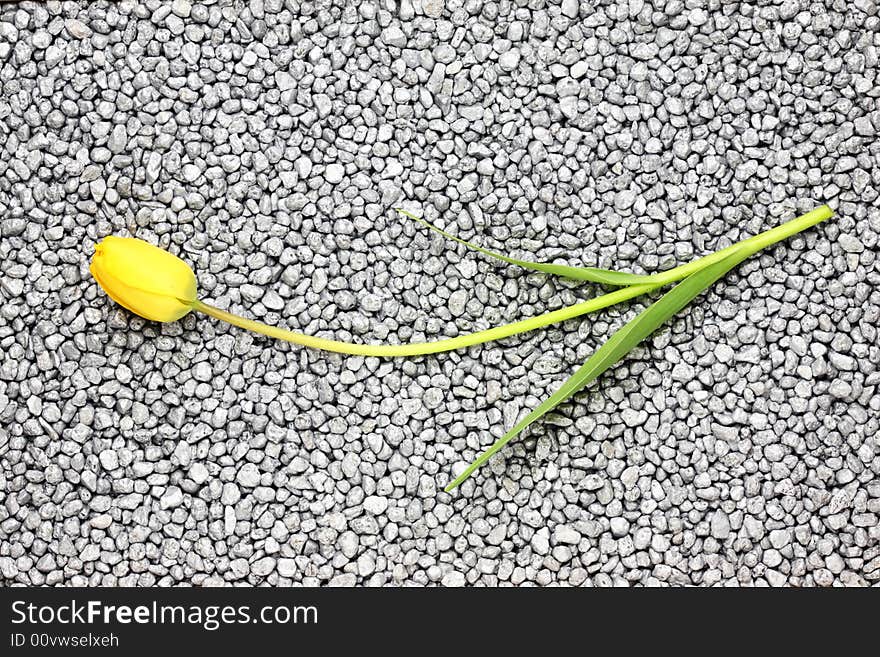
(267, 142)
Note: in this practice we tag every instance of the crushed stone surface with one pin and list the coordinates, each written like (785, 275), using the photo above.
(267, 144)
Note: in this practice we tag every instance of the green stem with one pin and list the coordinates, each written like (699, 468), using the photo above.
(423, 348)
(751, 245)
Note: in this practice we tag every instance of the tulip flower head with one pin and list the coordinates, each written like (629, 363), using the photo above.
(149, 281)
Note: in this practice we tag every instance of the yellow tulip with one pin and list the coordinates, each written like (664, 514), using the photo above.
(149, 281)
(161, 287)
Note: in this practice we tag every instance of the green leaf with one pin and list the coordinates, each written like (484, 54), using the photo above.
(592, 274)
(617, 347)
(611, 277)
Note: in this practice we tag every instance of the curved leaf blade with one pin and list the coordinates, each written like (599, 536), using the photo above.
(616, 348)
(612, 277)
(591, 274)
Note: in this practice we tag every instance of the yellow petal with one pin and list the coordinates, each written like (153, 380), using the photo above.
(155, 307)
(144, 279)
(146, 267)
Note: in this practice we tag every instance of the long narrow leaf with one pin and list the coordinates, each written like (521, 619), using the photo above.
(611, 277)
(617, 347)
(592, 274)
